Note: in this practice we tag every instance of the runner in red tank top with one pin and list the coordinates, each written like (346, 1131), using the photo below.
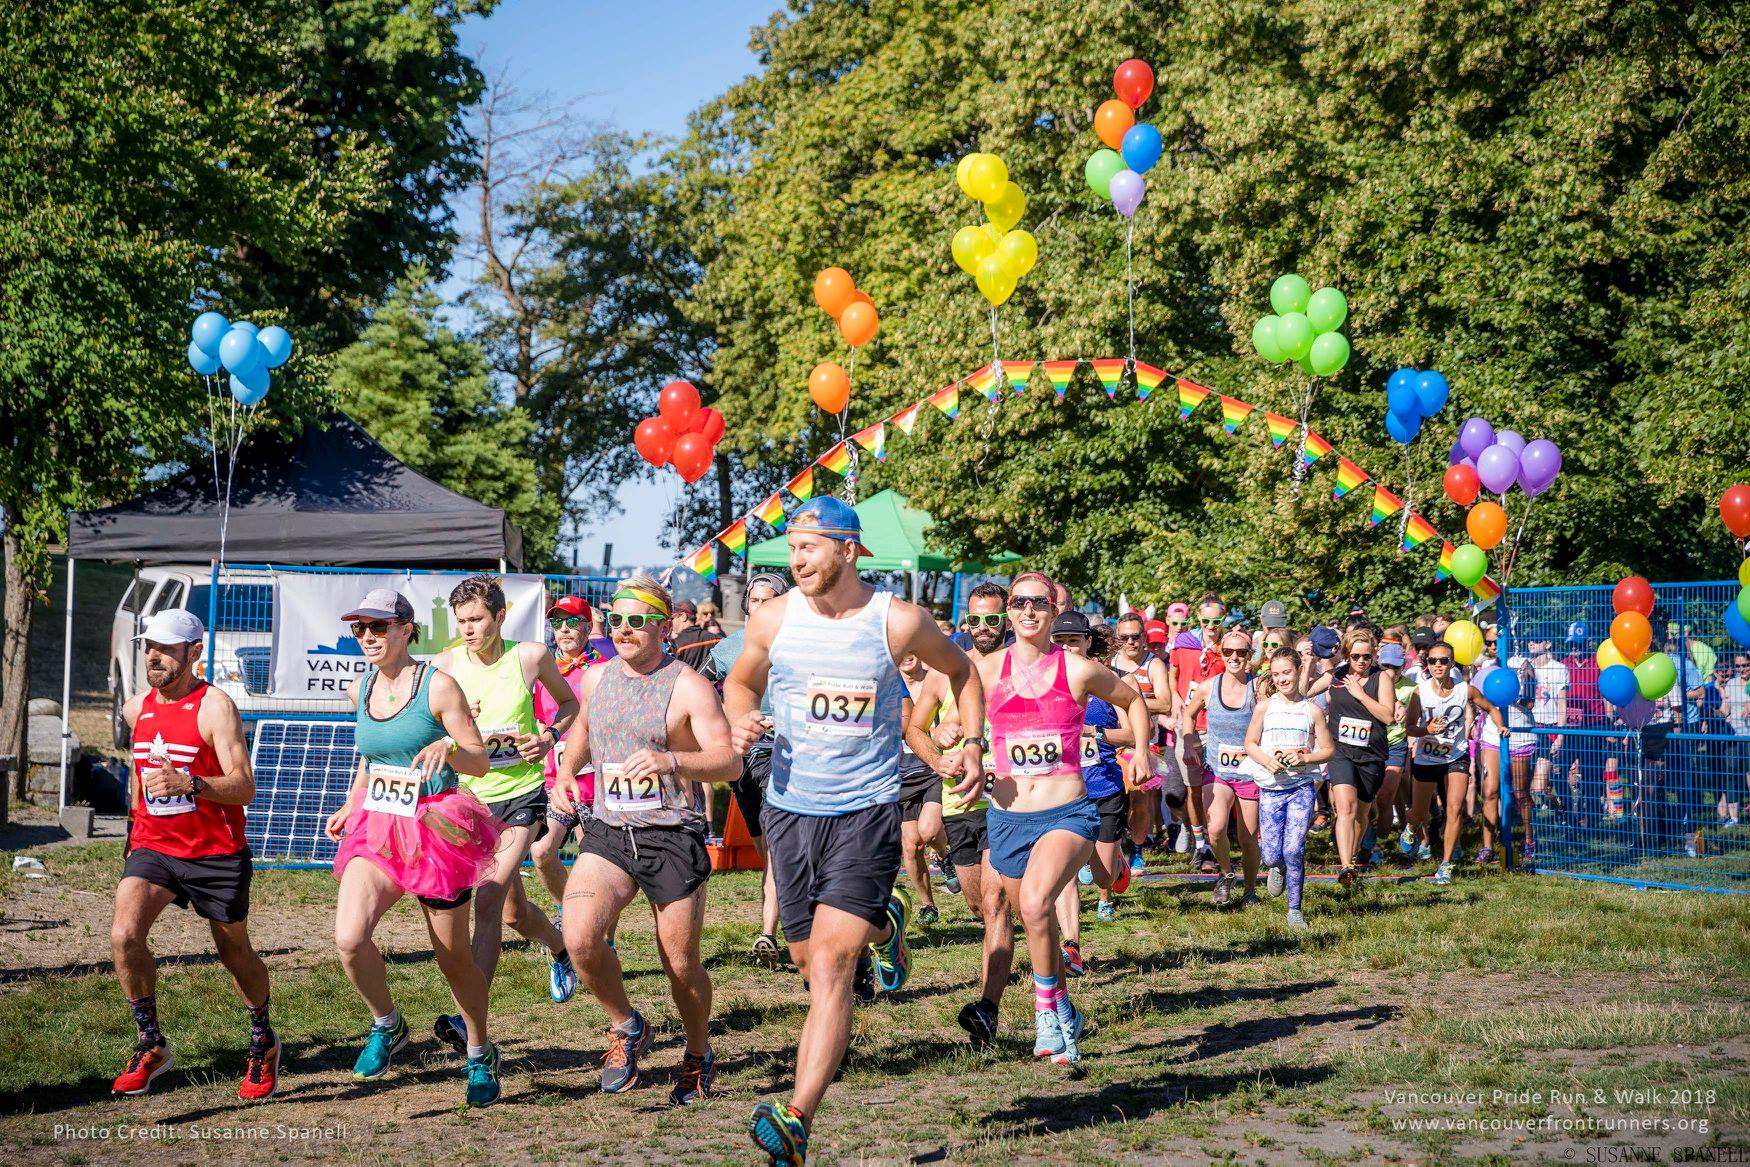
(189, 784)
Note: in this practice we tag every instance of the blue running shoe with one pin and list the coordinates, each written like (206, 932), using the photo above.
(382, 1045)
(698, 1076)
(1047, 1034)
(1443, 873)
(863, 981)
(778, 1131)
(1071, 1051)
(1085, 876)
(483, 1077)
(892, 959)
(1136, 862)
(1407, 843)
(1107, 911)
(620, 1063)
(450, 1029)
(561, 978)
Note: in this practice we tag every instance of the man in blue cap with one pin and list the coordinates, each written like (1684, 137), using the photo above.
(827, 652)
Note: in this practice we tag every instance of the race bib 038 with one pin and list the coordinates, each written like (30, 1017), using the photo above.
(1033, 755)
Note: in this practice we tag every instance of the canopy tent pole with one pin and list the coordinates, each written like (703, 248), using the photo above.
(954, 615)
(914, 587)
(66, 689)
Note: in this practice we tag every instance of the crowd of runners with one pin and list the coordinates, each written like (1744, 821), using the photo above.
(1030, 758)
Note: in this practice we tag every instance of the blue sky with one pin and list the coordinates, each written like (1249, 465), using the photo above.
(642, 67)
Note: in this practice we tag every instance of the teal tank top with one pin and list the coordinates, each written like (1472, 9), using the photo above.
(396, 739)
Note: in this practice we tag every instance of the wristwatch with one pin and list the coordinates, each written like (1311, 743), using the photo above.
(981, 743)
(195, 784)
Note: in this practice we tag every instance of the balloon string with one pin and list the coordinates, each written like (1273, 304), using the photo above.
(850, 446)
(1299, 472)
(994, 361)
(213, 434)
(1409, 494)
(1513, 556)
(1130, 283)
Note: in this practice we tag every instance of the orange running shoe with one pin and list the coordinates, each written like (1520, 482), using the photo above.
(261, 1073)
(144, 1065)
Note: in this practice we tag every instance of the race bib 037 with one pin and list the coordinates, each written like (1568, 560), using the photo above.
(840, 706)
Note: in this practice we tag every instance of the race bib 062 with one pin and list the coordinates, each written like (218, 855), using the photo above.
(840, 706)
(392, 790)
(624, 795)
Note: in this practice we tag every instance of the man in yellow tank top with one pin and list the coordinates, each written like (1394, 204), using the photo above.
(498, 679)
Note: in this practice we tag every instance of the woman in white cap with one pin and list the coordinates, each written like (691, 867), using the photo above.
(419, 833)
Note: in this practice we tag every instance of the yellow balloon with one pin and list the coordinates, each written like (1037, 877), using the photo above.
(995, 280)
(1609, 655)
(1007, 208)
(1465, 640)
(1744, 573)
(1019, 252)
(985, 177)
(969, 246)
(960, 174)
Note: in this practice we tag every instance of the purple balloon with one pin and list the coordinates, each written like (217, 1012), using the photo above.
(1498, 467)
(1533, 491)
(1539, 463)
(1455, 455)
(1126, 192)
(1512, 439)
(1476, 436)
(1637, 712)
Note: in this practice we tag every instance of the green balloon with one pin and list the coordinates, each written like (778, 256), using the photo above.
(1744, 601)
(1327, 309)
(1102, 165)
(1329, 354)
(1469, 565)
(1264, 339)
(1295, 335)
(1655, 675)
(1306, 367)
(1289, 294)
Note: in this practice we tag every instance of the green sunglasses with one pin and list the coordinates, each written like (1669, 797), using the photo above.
(566, 622)
(993, 620)
(634, 620)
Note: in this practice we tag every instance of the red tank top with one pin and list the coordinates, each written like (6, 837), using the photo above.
(185, 826)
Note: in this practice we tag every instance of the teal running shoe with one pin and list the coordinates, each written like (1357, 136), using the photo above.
(381, 1046)
(892, 959)
(483, 1077)
(778, 1131)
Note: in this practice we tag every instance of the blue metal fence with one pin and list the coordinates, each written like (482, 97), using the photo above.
(1656, 794)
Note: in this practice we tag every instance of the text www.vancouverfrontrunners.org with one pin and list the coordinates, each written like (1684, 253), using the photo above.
(197, 1132)
(1550, 1123)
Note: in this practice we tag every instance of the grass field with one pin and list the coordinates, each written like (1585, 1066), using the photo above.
(1221, 1036)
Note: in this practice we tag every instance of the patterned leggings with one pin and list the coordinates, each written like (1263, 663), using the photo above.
(1283, 817)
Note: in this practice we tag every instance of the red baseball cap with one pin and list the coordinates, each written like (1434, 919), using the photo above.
(1156, 630)
(569, 606)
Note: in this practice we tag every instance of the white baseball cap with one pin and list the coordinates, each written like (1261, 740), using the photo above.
(174, 626)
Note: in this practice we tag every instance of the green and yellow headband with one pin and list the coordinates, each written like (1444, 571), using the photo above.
(643, 597)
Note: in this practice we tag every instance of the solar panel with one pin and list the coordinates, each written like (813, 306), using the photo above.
(303, 770)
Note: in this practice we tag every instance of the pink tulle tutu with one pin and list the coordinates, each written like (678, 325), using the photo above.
(445, 848)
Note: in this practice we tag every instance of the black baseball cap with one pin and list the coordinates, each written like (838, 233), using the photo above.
(1423, 639)
(1071, 623)
(1273, 614)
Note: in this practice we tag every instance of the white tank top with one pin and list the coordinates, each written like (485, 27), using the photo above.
(1454, 709)
(1288, 725)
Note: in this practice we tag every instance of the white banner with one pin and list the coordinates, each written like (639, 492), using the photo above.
(314, 653)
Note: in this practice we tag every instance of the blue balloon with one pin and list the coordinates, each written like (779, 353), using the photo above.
(209, 329)
(1402, 401)
(1501, 687)
(202, 362)
(246, 327)
(1737, 627)
(1616, 685)
(1141, 148)
(1401, 432)
(1404, 377)
(1431, 393)
(239, 351)
(252, 390)
(278, 343)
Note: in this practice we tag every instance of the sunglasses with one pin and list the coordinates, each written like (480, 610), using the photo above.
(1209, 620)
(1272, 644)
(1068, 639)
(1236, 653)
(1437, 660)
(634, 619)
(565, 622)
(1029, 603)
(993, 620)
(1130, 636)
(1361, 656)
(1176, 623)
(374, 627)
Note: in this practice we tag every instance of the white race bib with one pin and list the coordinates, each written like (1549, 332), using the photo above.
(501, 751)
(1229, 758)
(1354, 731)
(1090, 751)
(1033, 755)
(623, 795)
(392, 789)
(168, 804)
(840, 706)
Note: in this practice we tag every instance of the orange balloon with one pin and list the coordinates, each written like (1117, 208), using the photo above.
(1632, 633)
(857, 324)
(862, 297)
(830, 387)
(1486, 524)
(833, 290)
(1112, 121)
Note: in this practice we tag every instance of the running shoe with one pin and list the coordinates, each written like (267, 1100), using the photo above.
(450, 1029)
(1085, 876)
(1346, 879)
(620, 1061)
(561, 978)
(1248, 899)
(1047, 1034)
(1223, 890)
(1071, 1051)
(950, 880)
(1182, 844)
(979, 1020)
(765, 950)
(1485, 856)
(1072, 959)
(1107, 910)
(698, 1076)
(778, 1131)
(145, 1063)
(1424, 852)
(1407, 842)
(1137, 863)
(1295, 919)
(380, 1047)
(261, 1073)
(1321, 822)
(863, 981)
(483, 1077)
(1121, 881)
(892, 960)
(928, 914)
(1443, 873)
(1206, 860)
(1274, 881)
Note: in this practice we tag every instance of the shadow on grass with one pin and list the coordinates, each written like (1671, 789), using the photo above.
(1218, 1040)
(11, 976)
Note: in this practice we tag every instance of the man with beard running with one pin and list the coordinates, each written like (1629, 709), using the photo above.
(830, 651)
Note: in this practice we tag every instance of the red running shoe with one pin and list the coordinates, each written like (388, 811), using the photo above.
(144, 1066)
(1121, 881)
(261, 1073)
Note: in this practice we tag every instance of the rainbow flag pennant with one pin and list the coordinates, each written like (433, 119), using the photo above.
(1486, 589)
(734, 536)
(1316, 448)
(1059, 374)
(1148, 379)
(874, 440)
(837, 459)
(947, 400)
(704, 561)
(1280, 427)
(1417, 532)
(906, 418)
(1018, 373)
(987, 381)
(1191, 395)
(1444, 571)
(1349, 476)
(802, 486)
(1385, 505)
(771, 512)
(1234, 413)
(1110, 373)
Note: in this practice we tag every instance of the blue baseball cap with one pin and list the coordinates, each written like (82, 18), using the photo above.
(1577, 632)
(830, 517)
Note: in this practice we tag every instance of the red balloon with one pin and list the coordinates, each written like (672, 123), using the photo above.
(1462, 484)
(710, 423)
(692, 456)
(1133, 81)
(655, 441)
(1633, 594)
(1735, 509)
(678, 405)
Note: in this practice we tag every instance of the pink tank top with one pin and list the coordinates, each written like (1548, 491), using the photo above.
(1035, 736)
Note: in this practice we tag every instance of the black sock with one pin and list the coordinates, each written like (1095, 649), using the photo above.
(146, 1018)
(260, 1032)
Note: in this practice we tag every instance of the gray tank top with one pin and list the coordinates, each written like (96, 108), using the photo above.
(628, 712)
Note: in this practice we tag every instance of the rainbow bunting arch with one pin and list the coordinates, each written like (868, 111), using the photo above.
(874, 440)
(1191, 395)
(734, 537)
(1110, 373)
(1234, 413)
(1417, 532)
(1059, 374)
(802, 486)
(1316, 448)
(837, 459)
(1486, 589)
(947, 400)
(704, 561)
(987, 381)
(1349, 476)
(1385, 505)
(1444, 571)
(1018, 373)
(1148, 379)
(1280, 427)
(771, 512)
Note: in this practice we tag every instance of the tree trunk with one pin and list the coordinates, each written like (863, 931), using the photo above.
(14, 663)
(725, 509)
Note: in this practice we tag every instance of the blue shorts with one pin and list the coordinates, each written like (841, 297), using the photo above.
(1397, 754)
(1013, 833)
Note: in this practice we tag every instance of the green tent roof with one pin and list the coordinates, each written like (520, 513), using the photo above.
(894, 530)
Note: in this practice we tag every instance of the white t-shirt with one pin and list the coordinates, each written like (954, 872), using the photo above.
(1552, 687)
(1288, 725)
(1737, 699)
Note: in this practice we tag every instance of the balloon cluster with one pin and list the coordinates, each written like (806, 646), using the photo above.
(1483, 459)
(241, 349)
(683, 434)
(1304, 327)
(1412, 397)
(1737, 614)
(996, 254)
(1735, 510)
(1627, 668)
(1116, 173)
(839, 297)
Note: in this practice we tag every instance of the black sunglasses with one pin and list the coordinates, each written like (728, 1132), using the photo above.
(1036, 603)
(634, 619)
(1438, 660)
(989, 620)
(374, 627)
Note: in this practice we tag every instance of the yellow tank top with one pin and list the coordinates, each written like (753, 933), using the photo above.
(507, 710)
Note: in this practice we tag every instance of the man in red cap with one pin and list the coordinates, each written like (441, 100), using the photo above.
(571, 620)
